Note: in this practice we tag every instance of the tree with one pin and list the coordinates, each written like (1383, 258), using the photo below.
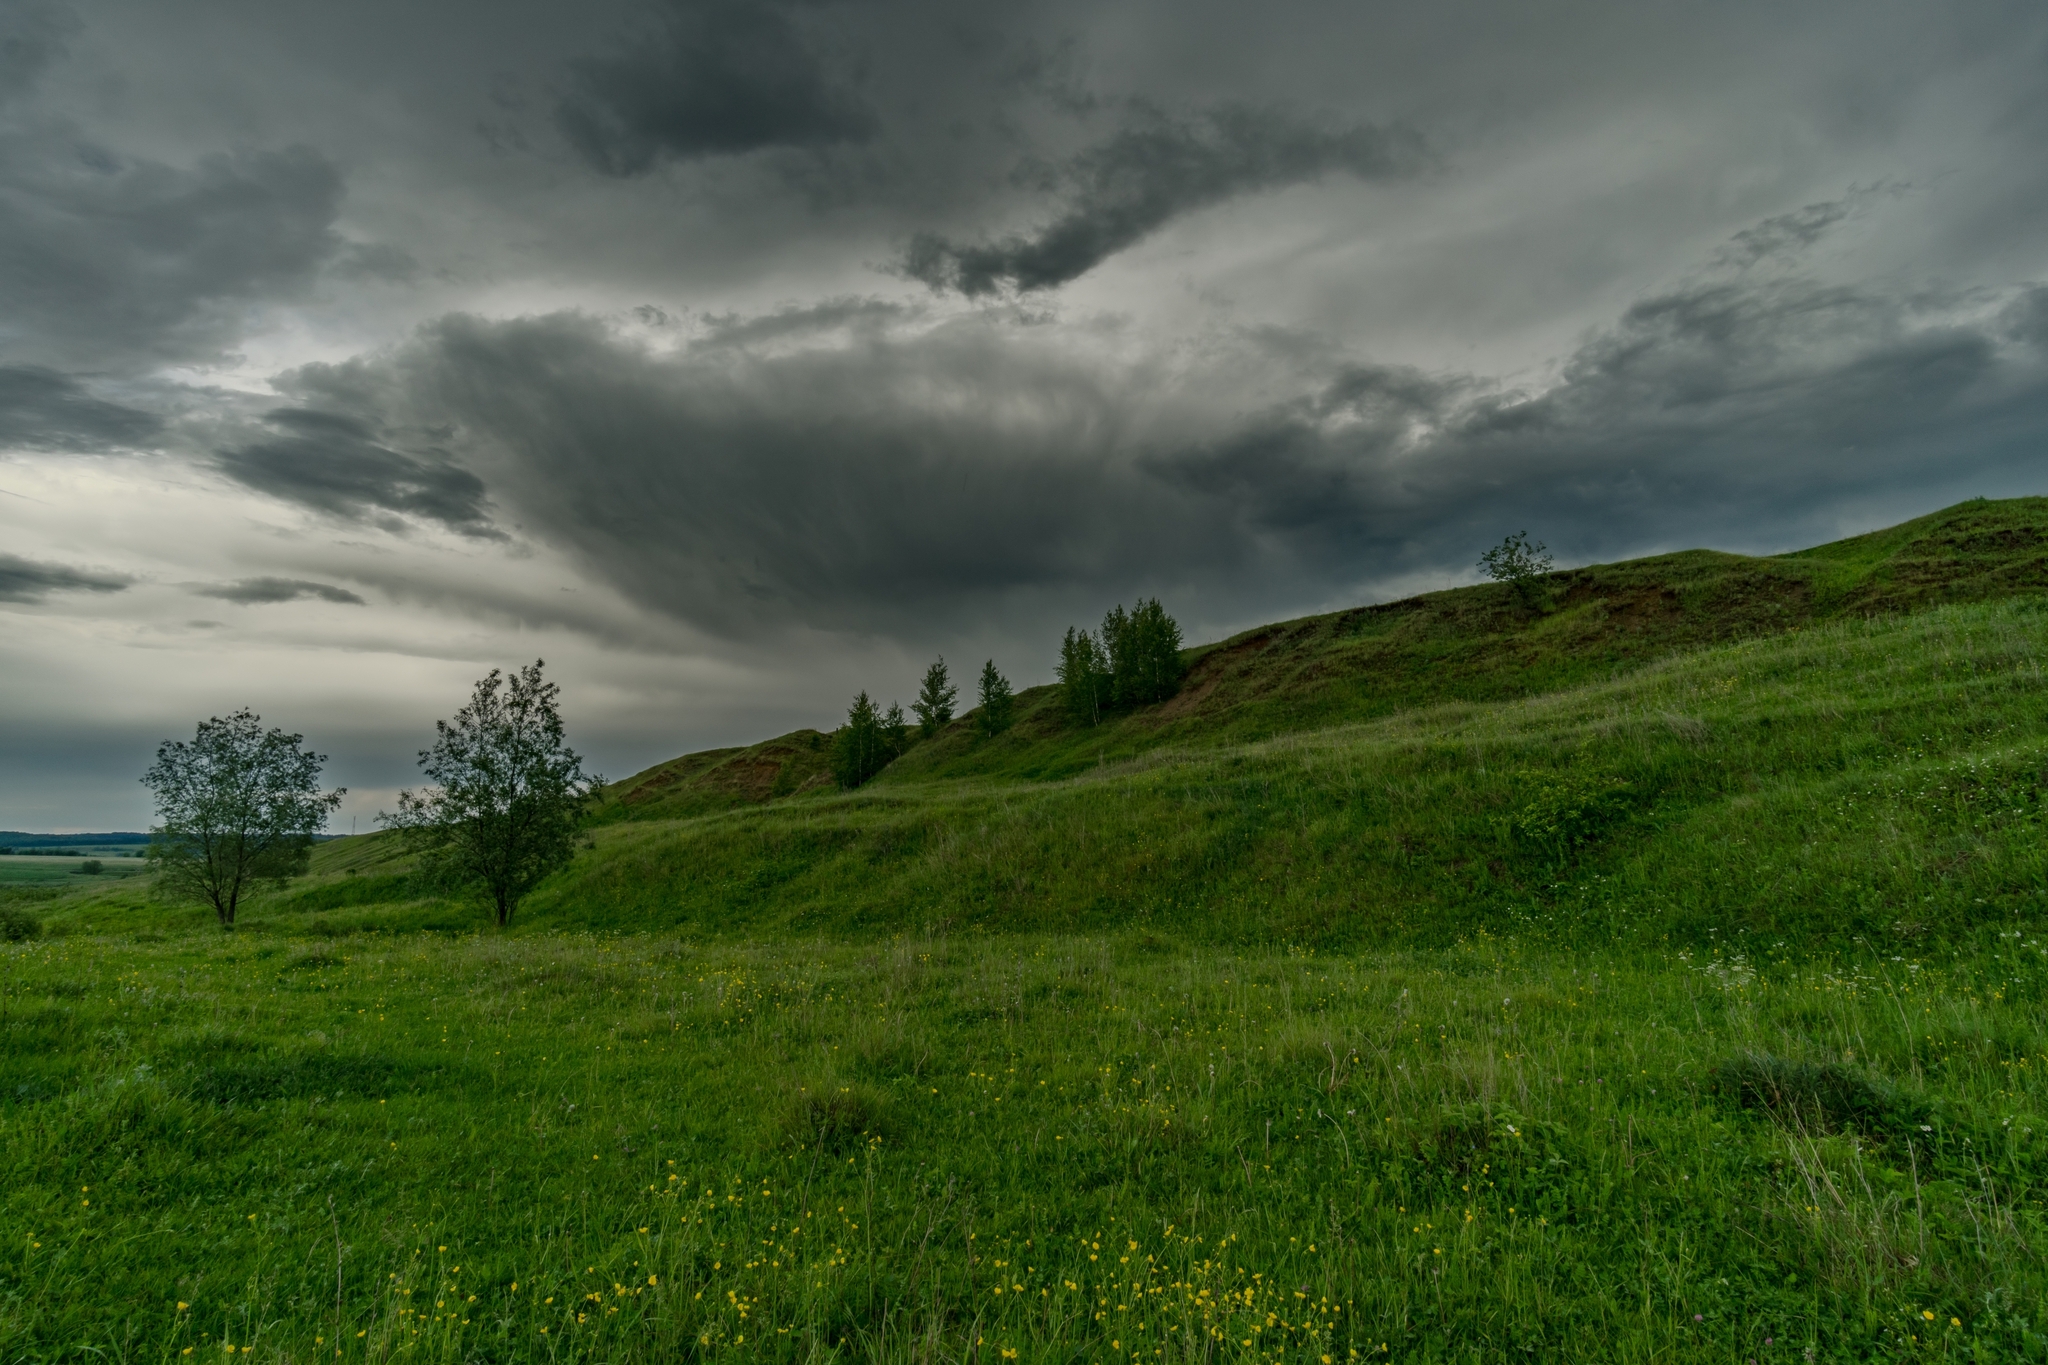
(1142, 649)
(998, 709)
(862, 747)
(935, 700)
(508, 792)
(237, 806)
(1084, 677)
(1519, 563)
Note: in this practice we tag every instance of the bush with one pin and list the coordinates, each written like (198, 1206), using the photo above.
(91, 867)
(1520, 563)
(18, 926)
(1559, 812)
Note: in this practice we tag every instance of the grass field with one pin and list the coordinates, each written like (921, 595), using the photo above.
(1690, 1012)
(33, 869)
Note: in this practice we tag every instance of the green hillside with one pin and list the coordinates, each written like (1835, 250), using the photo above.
(1465, 644)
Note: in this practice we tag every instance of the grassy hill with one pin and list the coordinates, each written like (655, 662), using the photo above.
(1661, 975)
(1475, 644)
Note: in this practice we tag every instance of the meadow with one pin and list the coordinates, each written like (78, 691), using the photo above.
(37, 870)
(1692, 1011)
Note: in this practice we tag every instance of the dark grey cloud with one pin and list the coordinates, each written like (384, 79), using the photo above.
(109, 260)
(339, 464)
(43, 410)
(1786, 234)
(32, 36)
(29, 580)
(249, 591)
(910, 480)
(1128, 187)
(1738, 406)
(707, 78)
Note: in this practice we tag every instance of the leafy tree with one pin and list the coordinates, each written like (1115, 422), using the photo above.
(1518, 562)
(237, 806)
(935, 700)
(508, 792)
(1084, 677)
(862, 747)
(1142, 647)
(998, 709)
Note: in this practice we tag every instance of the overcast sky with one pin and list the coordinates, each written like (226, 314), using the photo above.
(735, 356)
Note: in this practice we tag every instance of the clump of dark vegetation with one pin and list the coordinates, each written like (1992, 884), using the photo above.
(18, 925)
(868, 742)
(1821, 1096)
(1559, 812)
(836, 1119)
(289, 1077)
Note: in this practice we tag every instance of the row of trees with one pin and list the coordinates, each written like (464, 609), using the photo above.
(240, 806)
(1133, 660)
(872, 738)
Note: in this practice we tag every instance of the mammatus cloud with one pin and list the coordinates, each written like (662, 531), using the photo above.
(1133, 184)
(335, 463)
(111, 261)
(43, 410)
(29, 580)
(248, 591)
(712, 78)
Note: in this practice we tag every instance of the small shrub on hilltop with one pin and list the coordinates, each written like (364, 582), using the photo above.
(1521, 564)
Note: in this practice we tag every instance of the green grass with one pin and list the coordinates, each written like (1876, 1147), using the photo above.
(1682, 1004)
(33, 869)
(823, 1150)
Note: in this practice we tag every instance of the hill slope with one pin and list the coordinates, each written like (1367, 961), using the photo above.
(1386, 775)
(1465, 644)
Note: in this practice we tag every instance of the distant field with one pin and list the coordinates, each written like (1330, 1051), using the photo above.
(19, 869)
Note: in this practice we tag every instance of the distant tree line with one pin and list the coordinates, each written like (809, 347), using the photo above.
(1133, 660)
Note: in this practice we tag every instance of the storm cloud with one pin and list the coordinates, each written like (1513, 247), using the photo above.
(1125, 189)
(333, 463)
(115, 260)
(250, 591)
(706, 78)
(28, 580)
(43, 410)
(900, 476)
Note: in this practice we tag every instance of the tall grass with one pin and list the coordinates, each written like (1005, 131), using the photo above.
(578, 1147)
